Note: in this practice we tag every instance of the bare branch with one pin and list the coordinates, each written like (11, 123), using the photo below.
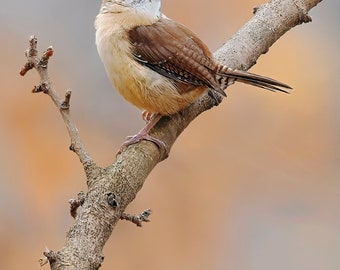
(45, 86)
(138, 219)
(271, 21)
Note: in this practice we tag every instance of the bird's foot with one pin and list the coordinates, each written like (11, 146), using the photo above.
(144, 135)
(147, 116)
(140, 136)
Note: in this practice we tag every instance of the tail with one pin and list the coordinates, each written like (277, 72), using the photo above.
(227, 76)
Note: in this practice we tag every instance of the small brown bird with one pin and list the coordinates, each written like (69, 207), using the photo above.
(159, 65)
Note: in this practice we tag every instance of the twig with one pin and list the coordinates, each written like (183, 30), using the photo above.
(75, 203)
(66, 103)
(49, 256)
(45, 86)
(137, 219)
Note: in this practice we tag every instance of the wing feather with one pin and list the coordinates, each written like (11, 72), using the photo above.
(174, 51)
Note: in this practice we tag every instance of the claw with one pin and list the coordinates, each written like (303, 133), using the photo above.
(144, 135)
(147, 116)
(137, 138)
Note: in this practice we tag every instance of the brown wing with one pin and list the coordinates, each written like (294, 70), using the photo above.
(175, 52)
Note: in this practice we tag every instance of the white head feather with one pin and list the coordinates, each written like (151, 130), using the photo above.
(150, 8)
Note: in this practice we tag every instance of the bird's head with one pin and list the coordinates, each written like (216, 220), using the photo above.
(150, 8)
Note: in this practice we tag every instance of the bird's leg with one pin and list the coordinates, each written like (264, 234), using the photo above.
(143, 134)
(146, 116)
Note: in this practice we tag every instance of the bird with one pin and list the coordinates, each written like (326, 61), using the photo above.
(159, 65)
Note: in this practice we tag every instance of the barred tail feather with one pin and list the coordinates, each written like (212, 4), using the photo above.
(226, 76)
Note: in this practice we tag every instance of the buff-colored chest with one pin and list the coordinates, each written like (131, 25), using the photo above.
(138, 84)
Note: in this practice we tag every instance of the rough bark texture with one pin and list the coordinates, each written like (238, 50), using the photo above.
(111, 189)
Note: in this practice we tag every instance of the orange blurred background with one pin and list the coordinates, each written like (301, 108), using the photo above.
(252, 184)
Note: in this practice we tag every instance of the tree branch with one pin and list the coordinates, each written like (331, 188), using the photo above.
(45, 86)
(137, 219)
(111, 189)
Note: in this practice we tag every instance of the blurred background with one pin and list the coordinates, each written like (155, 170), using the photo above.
(253, 184)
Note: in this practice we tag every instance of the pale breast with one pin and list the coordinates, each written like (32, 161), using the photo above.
(141, 86)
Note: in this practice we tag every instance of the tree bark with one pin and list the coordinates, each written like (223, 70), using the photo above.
(111, 189)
